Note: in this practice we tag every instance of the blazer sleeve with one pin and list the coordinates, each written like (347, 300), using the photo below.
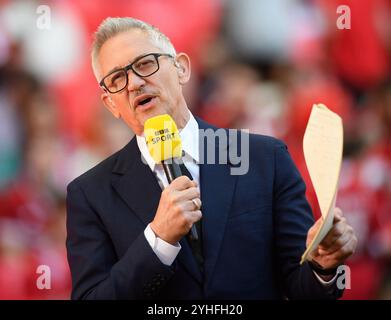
(96, 271)
(293, 218)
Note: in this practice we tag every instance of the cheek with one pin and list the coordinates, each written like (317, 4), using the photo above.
(128, 114)
(172, 90)
(126, 111)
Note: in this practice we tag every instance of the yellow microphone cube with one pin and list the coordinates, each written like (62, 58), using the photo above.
(162, 138)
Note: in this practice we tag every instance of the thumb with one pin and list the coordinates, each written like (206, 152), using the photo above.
(317, 225)
(313, 230)
(314, 254)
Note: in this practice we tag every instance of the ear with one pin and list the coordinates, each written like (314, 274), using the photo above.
(110, 105)
(182, 62)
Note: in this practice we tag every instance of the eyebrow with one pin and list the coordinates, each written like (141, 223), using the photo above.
(116, 68)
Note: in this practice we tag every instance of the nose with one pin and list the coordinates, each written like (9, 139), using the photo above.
(134, 81)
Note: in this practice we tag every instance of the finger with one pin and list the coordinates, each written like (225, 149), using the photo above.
(338, 244)
(346, 251)
(190, 205)
(337, 215)
(188, 194)
(196, 204)
(335, 232)
(192, 217)
(181, 183)
(196, 215)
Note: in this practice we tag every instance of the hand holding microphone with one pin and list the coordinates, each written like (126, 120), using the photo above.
(179, 206)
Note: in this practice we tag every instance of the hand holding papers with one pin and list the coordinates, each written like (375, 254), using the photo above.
(323, 146)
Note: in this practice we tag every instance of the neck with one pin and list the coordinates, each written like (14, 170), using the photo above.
(182, 118)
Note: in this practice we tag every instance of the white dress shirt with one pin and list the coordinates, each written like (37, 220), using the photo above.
(165, 251)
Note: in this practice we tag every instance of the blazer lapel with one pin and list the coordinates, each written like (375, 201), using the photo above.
(137, 185)
(217, 189)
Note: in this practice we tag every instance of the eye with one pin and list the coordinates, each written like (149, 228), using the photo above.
(145, 63)
(116, 77)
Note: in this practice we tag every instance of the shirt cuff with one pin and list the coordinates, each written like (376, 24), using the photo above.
(165, 251)
(323, 282)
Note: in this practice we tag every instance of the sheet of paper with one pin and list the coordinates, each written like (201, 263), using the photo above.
(323, 147)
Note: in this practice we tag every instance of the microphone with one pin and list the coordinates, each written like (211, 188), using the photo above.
(165, 146)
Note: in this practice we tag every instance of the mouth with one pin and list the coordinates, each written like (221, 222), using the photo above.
(144, 101)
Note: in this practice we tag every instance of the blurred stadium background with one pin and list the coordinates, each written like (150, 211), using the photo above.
(257, 64)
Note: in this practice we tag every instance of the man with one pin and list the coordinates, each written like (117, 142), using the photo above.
(128, 239)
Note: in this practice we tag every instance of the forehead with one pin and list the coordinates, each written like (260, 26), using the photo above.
(123, 48)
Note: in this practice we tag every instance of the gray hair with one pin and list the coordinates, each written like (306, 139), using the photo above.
(110, 27)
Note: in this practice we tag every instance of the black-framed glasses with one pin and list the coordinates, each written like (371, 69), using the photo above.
(143, 66)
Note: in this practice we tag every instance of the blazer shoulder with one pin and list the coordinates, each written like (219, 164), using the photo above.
(265, 143)
(258, 140)
(100, 173)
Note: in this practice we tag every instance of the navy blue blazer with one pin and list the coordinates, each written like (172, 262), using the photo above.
(254, 231)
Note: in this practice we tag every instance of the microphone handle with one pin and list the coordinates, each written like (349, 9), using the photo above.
(173, 171)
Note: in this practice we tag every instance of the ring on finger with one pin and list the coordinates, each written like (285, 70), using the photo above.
(196, 202)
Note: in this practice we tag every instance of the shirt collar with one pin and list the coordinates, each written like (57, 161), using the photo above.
(189, 137)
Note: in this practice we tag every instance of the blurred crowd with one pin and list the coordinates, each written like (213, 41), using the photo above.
(256, 64)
